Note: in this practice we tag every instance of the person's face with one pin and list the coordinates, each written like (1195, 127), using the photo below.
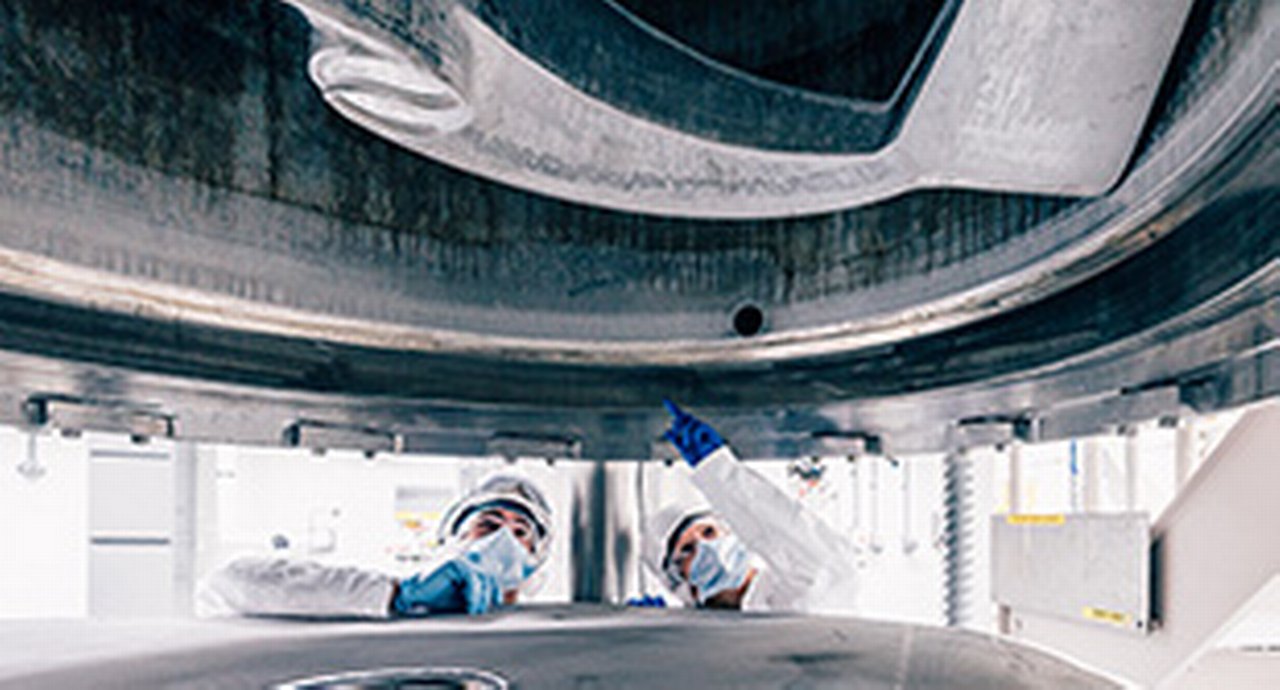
(703, 529)
(491, 520)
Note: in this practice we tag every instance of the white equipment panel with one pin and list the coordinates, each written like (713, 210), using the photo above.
(1091, 568)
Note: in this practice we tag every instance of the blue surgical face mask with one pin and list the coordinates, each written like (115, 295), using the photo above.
(502, 555)
(719, 564)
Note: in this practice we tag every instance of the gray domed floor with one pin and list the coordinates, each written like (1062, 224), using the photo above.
(542, 647)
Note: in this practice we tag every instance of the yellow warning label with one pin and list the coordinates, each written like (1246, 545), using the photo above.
(417, 519)
(1036, 519)
(1105, 616)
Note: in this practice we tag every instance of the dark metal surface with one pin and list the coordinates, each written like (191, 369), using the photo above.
(600, 49)
(188, 234)
(863, 55)
(600, 647)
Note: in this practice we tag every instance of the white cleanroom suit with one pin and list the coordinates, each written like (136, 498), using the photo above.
(483, 565)
(804, 565)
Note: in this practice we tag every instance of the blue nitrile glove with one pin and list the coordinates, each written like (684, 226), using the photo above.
(648, 602)
(455, 587)
(694, 438)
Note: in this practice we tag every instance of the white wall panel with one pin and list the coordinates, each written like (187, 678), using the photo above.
(43, 529)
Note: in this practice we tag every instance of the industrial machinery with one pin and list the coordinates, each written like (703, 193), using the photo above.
(849, 229)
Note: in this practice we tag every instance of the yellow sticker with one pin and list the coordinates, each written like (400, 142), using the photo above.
(416, 519)
(1105, 616)
(1036, 519)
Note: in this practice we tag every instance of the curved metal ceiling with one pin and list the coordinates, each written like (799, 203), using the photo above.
(185, 222)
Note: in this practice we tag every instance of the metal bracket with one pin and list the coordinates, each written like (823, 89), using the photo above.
(1113, 413)
(519, 444)
(73, 414)
(995, 430)
(320, 435)
(847, 443)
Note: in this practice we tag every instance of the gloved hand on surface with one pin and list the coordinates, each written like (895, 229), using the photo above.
(648, 602)
(694, 438)
(457, 586)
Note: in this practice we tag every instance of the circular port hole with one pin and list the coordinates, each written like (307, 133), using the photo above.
(403, 679)
(748, 320)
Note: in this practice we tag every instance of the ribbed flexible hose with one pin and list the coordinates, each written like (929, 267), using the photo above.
(958, 536)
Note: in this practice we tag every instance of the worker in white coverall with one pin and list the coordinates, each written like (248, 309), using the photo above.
(751, 547)
(495, 538)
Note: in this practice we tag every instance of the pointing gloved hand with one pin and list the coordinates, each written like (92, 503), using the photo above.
(694, 438)
(648, 602)
(458, 586)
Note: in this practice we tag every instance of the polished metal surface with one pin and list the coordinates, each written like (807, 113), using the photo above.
(1014, 98)
(432, 678)
(193, 244)
(304, 229)
(559, 647)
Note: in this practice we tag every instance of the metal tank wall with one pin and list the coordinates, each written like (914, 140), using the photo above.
(186, 222)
